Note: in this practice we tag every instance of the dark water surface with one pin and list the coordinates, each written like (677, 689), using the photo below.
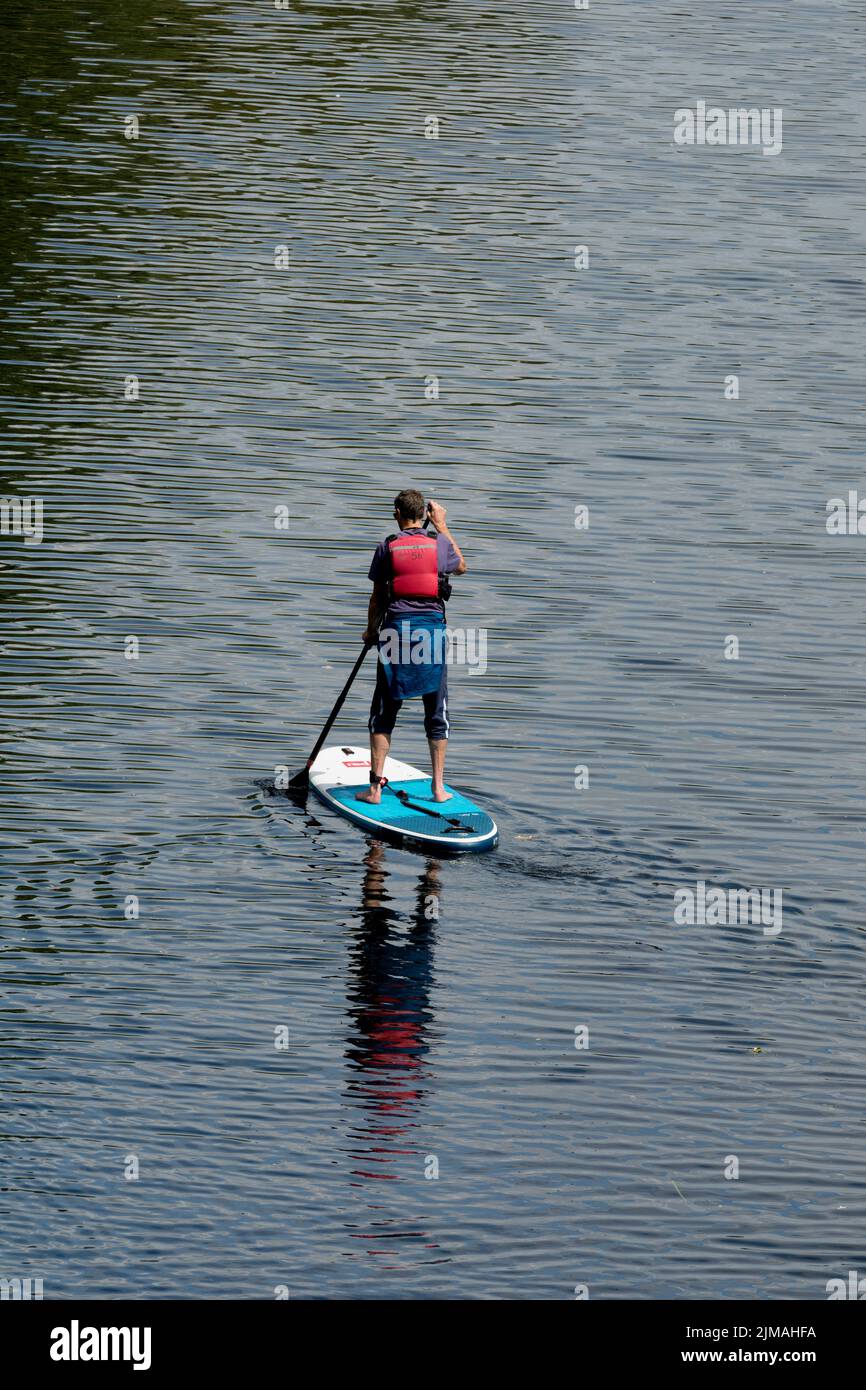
(452, 1039)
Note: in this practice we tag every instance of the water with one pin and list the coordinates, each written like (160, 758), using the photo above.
(411, 1040)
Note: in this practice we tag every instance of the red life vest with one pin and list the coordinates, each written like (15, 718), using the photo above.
(414, 565)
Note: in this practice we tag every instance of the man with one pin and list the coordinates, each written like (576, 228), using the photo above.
(409, 591)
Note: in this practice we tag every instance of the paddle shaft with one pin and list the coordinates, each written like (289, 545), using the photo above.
(304, 774)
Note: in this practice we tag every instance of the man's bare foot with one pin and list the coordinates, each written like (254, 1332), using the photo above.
(373, 796)
(440, 794)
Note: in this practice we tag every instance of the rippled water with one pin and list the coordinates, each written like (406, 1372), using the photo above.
(304, 387)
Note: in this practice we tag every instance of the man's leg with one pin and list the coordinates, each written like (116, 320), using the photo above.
(438, 747)
(438, 727)
(379, 747)
(383, 717)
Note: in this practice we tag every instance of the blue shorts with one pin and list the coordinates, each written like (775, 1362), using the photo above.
(384, 709)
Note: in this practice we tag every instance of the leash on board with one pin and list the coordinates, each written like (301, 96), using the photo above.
(403, 798)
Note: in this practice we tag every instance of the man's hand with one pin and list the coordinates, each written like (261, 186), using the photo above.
(369, 639)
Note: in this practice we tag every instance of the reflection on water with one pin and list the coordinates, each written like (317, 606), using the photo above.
(389, 1003)
(389, 1010)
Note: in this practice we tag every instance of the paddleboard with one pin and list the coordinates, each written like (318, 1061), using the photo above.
(408, 811)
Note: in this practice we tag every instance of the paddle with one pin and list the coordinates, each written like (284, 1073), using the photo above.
(302, 778)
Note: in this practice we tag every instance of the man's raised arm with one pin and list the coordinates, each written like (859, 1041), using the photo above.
(436, 515)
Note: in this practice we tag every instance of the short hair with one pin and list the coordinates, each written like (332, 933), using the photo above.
(410, 504)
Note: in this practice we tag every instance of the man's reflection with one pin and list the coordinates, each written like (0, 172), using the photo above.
(390, 979)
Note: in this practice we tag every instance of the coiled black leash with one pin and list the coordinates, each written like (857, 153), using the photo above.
(403, 798)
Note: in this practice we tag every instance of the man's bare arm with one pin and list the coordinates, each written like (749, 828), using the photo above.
(436, 513)
(376, 611)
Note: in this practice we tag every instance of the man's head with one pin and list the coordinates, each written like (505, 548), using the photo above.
(409, 507)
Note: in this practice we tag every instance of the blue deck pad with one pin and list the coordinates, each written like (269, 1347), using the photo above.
(393, 814)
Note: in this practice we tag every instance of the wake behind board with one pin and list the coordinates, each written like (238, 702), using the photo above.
(408, 811)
